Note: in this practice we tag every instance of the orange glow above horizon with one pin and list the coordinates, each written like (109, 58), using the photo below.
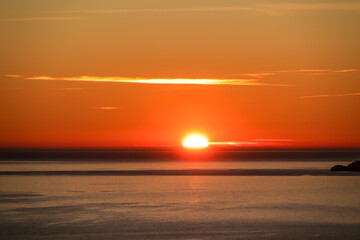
(195, 141)
(114, 73)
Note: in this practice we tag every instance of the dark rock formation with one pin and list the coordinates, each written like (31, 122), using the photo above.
(339, 168)
(354, 167)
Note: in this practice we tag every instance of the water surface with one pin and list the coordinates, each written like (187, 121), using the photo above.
(178, 207)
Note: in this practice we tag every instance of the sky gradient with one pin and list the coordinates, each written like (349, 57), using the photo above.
(106, 73)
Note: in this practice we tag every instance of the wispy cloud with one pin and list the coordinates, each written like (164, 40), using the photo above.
(255, 75)
(271, 9)
(267, 9)
(106, 108)
(273, 140)
(297, 71)
(316, 6)
(307, 72)
(331, 95)
(159, 10)
(38, 19)
(13, 76)
(348, 70)
(320, 70)
(233, 143)
(181, 81)
(255, 142)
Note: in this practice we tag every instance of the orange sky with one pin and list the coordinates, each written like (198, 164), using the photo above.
(117, 73)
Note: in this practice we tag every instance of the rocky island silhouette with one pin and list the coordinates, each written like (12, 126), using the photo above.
(353, 167)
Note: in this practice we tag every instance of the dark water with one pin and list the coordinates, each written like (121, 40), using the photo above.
(60, 206)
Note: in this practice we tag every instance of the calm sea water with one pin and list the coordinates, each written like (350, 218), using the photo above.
(101, 166)
(177, 207)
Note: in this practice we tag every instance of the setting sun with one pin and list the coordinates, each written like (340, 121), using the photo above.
(195, 141)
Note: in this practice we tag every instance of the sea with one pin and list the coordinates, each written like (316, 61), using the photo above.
(179, 198)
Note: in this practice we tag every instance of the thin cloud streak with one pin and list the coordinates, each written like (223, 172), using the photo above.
(232, 143)
(179, 81)
(273, 140)
(331, 95)
(13, 76)
(271, 9)
(316, 6)
(348, 70)
(39, 19)
(260, 141)
(319, 71)
(300, 71)
(106, 108)
(165, 10)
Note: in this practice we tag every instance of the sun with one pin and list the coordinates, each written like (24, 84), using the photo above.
(195, 141)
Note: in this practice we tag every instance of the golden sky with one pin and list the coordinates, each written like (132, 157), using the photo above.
(107, 73)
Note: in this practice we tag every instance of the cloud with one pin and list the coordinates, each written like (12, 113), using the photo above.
(273, 140)
(13, 76)
(38, 19)
(270, 9)
(348, 70)
(233, 143)
(316, 6)
(255, 75)
(331, 95)
(237, 144)
(255, 142)
(305, 71)
(106, 108)
(160, 10)
(179, 81)
(319, 71)
(69, 89)
(299, 71)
